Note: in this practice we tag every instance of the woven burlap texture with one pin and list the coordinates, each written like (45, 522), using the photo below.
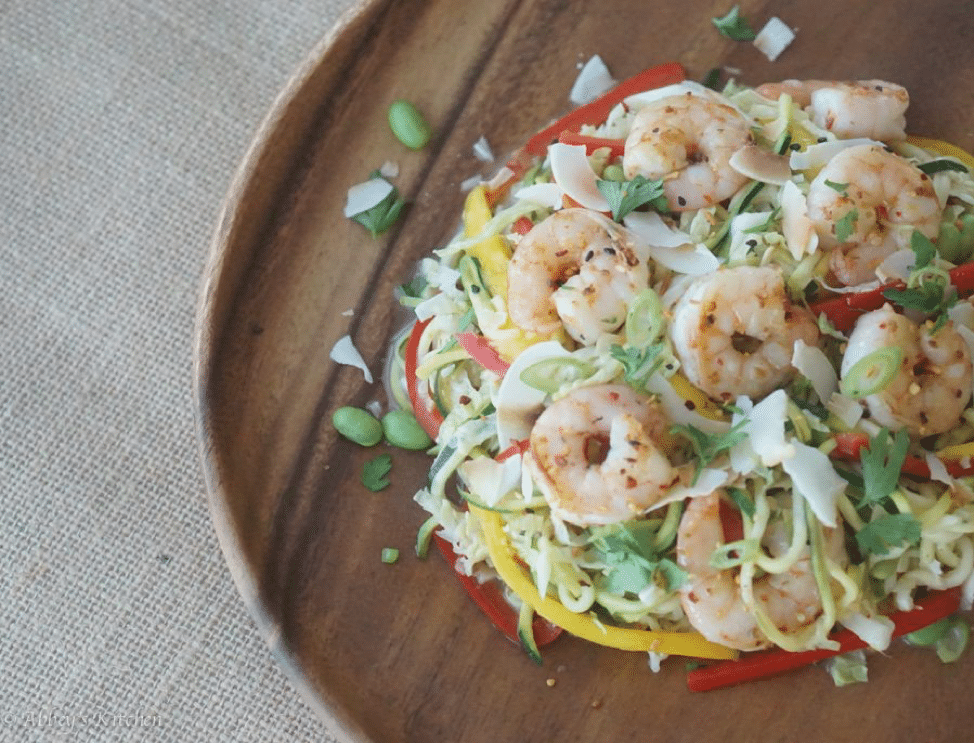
(121, 124)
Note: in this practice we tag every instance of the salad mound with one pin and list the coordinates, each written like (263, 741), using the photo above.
(697, 368)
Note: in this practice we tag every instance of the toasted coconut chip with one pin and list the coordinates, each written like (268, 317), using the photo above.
(592, 81)
(774, 38)
(363, 196)
(543, 194)
(345, 352)
(812, 363)
(572, 172)
(797, 228)
(817, 155)
(760, 164)
(816, 480)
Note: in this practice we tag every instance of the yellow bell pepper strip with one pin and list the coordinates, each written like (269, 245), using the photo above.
(689, 644)
(697, 398)
(493, 253)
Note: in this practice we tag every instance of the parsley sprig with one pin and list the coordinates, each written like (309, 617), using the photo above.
(627, 196)
(633, 560)
(384, 214)
(638, 364)
(375, 473)
(927, 287)
(708, 446)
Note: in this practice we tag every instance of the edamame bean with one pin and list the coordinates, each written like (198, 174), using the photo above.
(408, 124)
(403, 430)
(613, 173)
(357, 425)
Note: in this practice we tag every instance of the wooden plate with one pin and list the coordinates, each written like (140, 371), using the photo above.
(399, 653)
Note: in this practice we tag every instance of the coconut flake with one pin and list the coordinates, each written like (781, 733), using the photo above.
(818, 154)
(774, 38)
(592, 81)
(877, 631)
(471, 183)
(345, 352)
(482, 150)
(669, 247)
(815, 479)
(796, 226)
(707, 481)
(846, 409)
(687, 87)
(363, 196)
(548, 195)
(489, 479)
(517, 403)
(766, 429)
(812, 363)
(896, 266)
(571, 170)
(740, 233)
(760, 164)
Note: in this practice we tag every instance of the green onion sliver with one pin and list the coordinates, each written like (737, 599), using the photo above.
(548, 375)
(525, 632)
(872, 373)
(645, 319)
(389, 555)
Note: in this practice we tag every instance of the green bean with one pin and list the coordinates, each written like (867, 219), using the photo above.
(408, 124)
(357, 425)
(403, 430)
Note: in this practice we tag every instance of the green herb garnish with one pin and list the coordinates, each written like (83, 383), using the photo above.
(887, 531)
(846, 225)
(639, 364)
(375, 472)
(881, 465)
(383, 215)
(734, 25)
(626, 196)
(940, 166)
(706, 446)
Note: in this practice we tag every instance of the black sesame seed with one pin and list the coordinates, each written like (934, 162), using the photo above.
(794, 146)
(681, 201)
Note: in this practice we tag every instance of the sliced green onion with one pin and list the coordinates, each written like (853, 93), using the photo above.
(389, 555)
(928, 635)
(939, 166)
(548, 375)
(408, 124)
(954, 641)
(645, 319)
(849, 668)
(424, 536)
(872, 373)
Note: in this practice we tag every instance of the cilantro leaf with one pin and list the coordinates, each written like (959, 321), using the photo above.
(626, 196)
(890, 530)
(707, 447)
(881, 465)
(923, 248)
(630, 554)
(839, 187)
(734, 26)
(929, 297)
(375, 471)
(381, 216)
(846, 225)
(639, 364)
(939, 166)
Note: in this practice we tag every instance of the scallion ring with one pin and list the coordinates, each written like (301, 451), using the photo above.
(548, 375)
(645, 319)
(871, 373)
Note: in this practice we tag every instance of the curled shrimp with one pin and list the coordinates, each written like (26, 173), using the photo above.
(712, 599)
(597, 455)
(865, 204)
(578, 269)
(931, 388)
(734, 331)
(688, 140)
(860, 108)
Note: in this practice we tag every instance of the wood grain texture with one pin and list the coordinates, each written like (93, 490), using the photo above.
(398, 653)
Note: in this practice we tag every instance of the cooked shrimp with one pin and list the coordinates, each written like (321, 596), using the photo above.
(597, 456)
(734, 331)
(878, 199)
(687, 140)
(861, 108)
(712, 599)
(575, 268)
(933, 385)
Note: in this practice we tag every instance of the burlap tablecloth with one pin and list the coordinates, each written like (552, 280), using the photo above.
(121, 124)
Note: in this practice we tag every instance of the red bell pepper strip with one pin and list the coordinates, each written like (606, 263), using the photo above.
(849, 446)
(522, 225)
(843, 310)
(616, 146)
(518, 447)
(490, 598)
(591, 113)
(932, 608)
(482, 352)
(429, 418)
